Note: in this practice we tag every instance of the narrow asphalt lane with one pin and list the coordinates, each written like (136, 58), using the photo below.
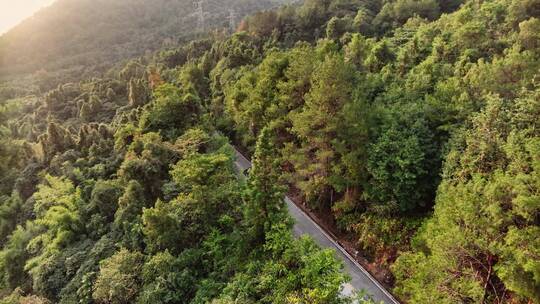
(360, 278)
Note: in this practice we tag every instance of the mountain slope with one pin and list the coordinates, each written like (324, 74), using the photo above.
(96, 32)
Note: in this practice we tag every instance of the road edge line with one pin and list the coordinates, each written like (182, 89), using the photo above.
(347, 254)
(343, 250)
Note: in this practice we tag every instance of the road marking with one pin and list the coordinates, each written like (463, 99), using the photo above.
(338, 246)
(346, 253)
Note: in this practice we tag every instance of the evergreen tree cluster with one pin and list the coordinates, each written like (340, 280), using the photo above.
(413, 125)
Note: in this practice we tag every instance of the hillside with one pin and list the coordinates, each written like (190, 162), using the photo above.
(411, 128)
(72, 33)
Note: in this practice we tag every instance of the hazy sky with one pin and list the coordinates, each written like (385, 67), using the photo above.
(14, 11)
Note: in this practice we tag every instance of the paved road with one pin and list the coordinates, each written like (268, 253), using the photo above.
(360, 278)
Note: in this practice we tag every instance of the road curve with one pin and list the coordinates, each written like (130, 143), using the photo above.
(360, 277)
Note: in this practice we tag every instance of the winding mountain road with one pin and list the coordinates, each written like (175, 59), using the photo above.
(360, 277)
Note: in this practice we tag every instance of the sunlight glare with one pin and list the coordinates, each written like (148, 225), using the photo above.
(12, 12)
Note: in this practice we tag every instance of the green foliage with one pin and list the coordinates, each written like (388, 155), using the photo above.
(292, 264)
(119, 278)
(412, 118)
(11, 214)
(384, 236)
(13, 257)
(127, 218)
(82, 267)
(206, 184)
(399, 163)
(253, 101)
(101, 207)
(396, 13)
(17, 297)
(316, 126)
(202, 170)
(264, 196)
(172, 112)
(11, 153)
(167, 279)
(147, 161)
(56, 140)
(484, 216)
(57, 214)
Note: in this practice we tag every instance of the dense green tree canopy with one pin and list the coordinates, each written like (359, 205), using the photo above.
(409, 127)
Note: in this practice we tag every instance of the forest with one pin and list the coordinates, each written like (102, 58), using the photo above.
(411, 126)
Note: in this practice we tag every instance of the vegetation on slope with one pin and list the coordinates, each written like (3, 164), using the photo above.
(413, 123)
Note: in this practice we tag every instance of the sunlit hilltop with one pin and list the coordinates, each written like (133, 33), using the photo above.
(13, 12)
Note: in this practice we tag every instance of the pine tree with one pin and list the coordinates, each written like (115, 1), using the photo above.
(316, 127)
(264, 195)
